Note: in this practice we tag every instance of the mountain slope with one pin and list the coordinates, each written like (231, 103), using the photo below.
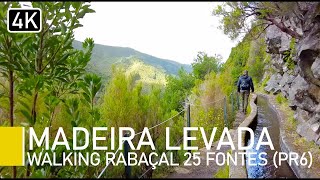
(104, 56)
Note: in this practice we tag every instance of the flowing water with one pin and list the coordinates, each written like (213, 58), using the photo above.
(267, 118)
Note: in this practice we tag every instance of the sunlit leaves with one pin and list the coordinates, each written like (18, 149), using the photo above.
(25, 110)
(238, 17)
(46, 61)
(177, 89)
(51, 102)
(72, 108)
(91, 84)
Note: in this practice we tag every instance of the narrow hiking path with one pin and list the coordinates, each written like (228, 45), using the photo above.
(201, 171)
(240, 116)
(204, 171)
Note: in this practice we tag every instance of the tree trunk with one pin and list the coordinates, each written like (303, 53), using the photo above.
(11, 96)
(283, 28)
(28, 170)
(34, 118)
(34, 106)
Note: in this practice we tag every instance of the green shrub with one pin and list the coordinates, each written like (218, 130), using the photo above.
(280, 99)
(288, 55)
(249, 107)
(292, 122)
(223, 172)
(265, 81)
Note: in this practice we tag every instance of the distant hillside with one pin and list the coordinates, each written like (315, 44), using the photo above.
(104, 56)
(145, 73)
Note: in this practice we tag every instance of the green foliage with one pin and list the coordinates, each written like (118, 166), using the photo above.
(208, 94)
(222, 172)
(256, 60)
(235, 64)
(146, 74)
(207, 106)
(116, 113)
(56, 87)
(73, 111)
(177, 89)
(90, 85)
(51, 103)
(46, 61)
(231, 21)
(137, 109)
(292, 123)
(280, 99)
(247, 55)
(47, 70)
(288, 55)
(251, 17)
(10, 57)
(205, 64)
(248, 109)
(264, 83)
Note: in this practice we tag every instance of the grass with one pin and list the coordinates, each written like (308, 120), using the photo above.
(249, 107)
(265, 81)
(301, 144)
(284, 106)
(292, 125)
(260, 86)
(222, 172)
(281, 100)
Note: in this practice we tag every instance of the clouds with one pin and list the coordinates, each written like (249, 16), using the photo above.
(170, 30)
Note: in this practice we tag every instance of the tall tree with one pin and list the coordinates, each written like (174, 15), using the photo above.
(10, 59)
(49, 57)
(48, 51)
(205, 64)
(177, 89)
(243, 17)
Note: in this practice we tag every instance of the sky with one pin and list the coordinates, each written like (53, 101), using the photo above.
(168, 30)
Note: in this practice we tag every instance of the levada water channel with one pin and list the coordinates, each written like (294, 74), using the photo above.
(267, 117)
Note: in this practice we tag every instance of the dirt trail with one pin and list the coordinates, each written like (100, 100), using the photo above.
(201, 171)
(204, 171)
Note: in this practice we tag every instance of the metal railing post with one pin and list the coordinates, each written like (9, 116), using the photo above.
(126, 154)
(225, 112)
(188, 124)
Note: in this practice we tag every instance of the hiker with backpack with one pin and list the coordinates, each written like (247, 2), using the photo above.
(244, 85)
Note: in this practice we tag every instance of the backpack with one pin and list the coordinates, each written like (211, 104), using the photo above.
(245, 83)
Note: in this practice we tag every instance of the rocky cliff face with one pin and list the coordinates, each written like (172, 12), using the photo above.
(296, 68)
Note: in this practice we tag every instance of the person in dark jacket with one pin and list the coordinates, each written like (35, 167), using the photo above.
(244, 85)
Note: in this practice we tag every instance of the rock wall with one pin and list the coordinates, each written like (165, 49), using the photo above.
(300, 81)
